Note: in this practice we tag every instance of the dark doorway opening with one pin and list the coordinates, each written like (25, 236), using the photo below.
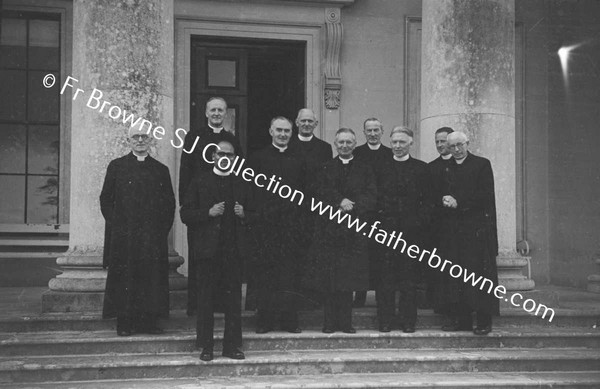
(259, 79)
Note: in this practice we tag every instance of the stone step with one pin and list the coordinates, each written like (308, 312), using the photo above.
(294, 362)
(363, 318)
(459, 380)
(107, 342)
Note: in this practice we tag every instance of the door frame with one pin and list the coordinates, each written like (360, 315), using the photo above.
(311, 34)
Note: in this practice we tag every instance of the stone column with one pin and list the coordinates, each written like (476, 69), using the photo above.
(468, 83)
(125, 50)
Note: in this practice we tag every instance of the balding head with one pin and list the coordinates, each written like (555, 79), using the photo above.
(458, 144)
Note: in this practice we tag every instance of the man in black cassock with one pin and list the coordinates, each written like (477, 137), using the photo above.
(373, 153)
(405, 206)
(276, 267)
(470, 239)
(438, 169)
(339, 256)
(217, 207)
(192, 162)
(138, 205)
(316, 153)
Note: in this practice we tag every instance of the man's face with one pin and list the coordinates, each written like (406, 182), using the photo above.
(281, 132)
(458, 147)
(441, 143)
(215, 112)
(139, 142)
(345, 144)
(306, 122)
(401, 143)
(373, 133)
(223, 153)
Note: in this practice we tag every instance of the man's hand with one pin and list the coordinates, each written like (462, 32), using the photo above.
(449, 201)
(238, 209)
(217, 209)
(347, 205)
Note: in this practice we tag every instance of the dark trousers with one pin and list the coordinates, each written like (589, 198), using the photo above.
(337, 310)
(407, 304)
(192, 287)
(269, 304)
(231, 297)
(463, 315)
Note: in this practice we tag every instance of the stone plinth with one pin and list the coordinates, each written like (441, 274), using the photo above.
(468, 83)
(510, 272)
(594, 281)
(123, 55)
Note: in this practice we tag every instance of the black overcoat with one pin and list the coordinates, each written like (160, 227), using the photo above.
(470, 236)
(405, 206)
(338, 258)
(138, 204)
(202, 194)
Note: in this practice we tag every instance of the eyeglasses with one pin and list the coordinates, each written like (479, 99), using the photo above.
(221, 154)
(456, 146)
(140, 137)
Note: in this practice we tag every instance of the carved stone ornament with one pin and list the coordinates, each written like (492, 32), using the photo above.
(333, 77)
(332, 98)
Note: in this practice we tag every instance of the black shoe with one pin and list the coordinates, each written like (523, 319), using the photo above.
(408, 329)
(233, 353)
(483, 330)
(124, 332)
(385, 328)
(206, 354)
(263, 330)
(328, 330)
(293, 330)
(349, 330)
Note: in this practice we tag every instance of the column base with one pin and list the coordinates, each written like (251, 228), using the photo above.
(510, 272)
(92, 302)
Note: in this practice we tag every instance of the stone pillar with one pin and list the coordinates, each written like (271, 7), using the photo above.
(468, 83)
(125, 50)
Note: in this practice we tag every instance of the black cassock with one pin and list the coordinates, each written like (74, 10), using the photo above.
(275, 269)
(138, 205)
(469, 235)
(405, 205)
(375, 159)
(191, 164)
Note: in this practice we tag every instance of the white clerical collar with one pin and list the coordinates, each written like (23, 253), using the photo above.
(374, 147)
(281, 149)
(447, 156)
(305, 138)
(460, 161)
(346, 161)
(140, 158)
(215, 130)
(220, 172)
(402, 159)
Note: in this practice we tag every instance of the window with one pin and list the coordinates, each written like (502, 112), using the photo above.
(29, 118)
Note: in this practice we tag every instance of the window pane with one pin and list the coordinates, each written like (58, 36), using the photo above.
(42, 200)
(12, 95)
(13, 36)
(221, 73)
(43, 150)
(12, 193)
(229, 122)
(43, 44)
(12, 148)
(43, 104)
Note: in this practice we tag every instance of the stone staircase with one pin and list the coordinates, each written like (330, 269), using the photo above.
(523, 351)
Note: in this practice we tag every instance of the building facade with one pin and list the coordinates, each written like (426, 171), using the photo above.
(487, 67)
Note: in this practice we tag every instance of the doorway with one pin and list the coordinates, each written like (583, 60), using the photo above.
(259, 79)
